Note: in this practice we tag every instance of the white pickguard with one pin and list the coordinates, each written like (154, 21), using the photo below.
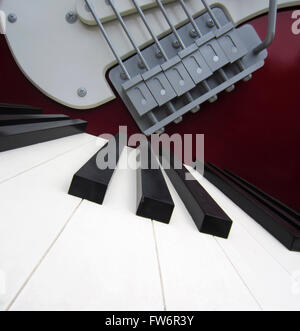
(58, 57)
(106, 14)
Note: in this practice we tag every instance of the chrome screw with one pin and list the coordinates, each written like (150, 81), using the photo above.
(123, 76)
(247, 78)
(176, 44)
(71, 17)
(82, 92)
(159, 54)
(210, 23)
(193, 33)
(230, 88)
(12, 18)
(141, 65)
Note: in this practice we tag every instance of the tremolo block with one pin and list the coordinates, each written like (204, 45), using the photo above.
(196, 65)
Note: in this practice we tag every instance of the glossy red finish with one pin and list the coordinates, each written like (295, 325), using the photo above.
(253, 131)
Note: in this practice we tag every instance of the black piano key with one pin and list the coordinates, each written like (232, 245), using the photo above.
(90, 182)
(26, 119)
(154, 200)
(10, 109)
(206, 213)
(280, 228)
(273, 203)
(259, 197)
(264, 201)
(16, 136)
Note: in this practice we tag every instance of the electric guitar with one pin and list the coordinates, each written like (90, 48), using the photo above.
(59, 252)
(59, 57)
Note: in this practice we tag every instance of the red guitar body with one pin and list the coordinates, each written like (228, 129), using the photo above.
(253, 131)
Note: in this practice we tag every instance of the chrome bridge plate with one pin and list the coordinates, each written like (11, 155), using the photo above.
(208, 65)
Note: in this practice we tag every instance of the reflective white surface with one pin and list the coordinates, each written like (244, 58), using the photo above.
(60, 253)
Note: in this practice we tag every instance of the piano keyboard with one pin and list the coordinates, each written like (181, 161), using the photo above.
(60, 252)
(22, 126)
(9, 109)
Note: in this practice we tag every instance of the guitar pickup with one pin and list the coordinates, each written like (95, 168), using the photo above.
(139, 95)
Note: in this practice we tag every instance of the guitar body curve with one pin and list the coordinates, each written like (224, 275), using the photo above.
(60, 58)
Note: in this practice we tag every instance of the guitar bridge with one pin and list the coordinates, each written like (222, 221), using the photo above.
(189, 66)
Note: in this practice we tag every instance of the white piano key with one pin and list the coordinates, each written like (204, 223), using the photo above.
(104, 260)
(19, 160)
(196, 273)
(264, 272)
(289, 260)
(105, 257)
(269, 282)
(35, 207)
(121, 193)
